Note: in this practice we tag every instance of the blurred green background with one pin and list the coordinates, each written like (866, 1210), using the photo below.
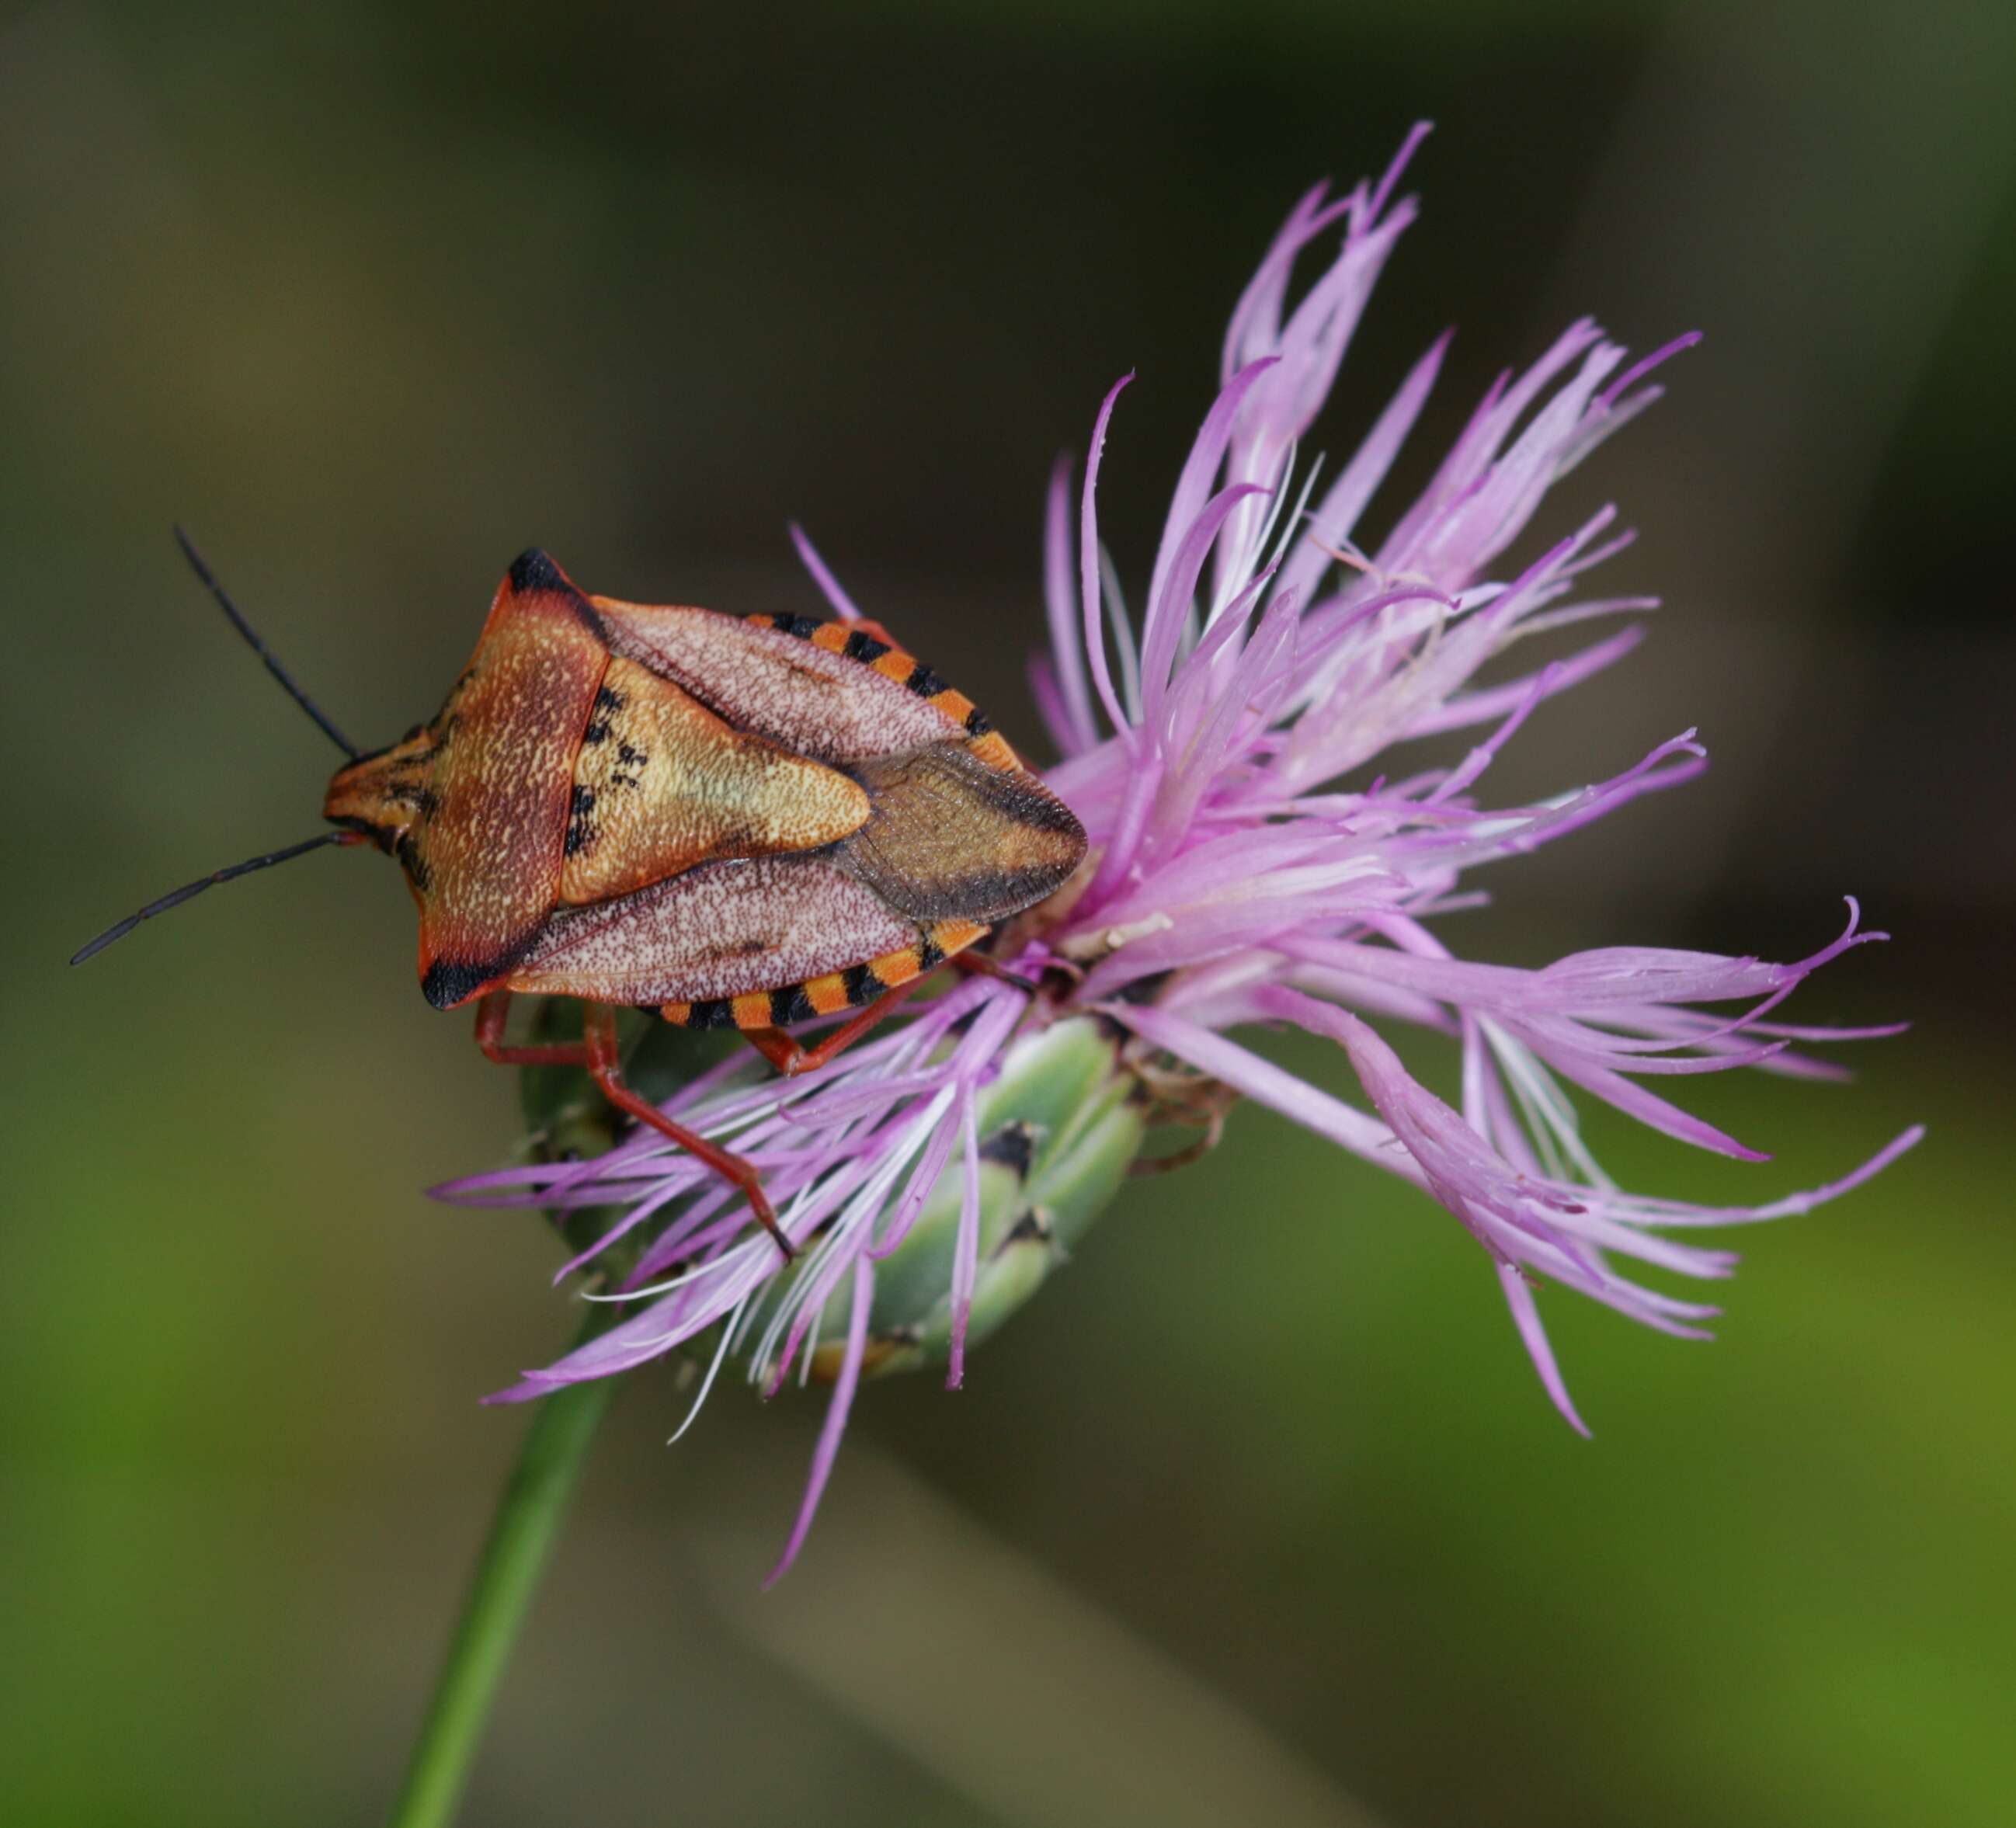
(1258, 1514)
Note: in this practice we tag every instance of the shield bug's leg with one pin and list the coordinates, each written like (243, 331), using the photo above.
(596, 1051)
(792, 1057)
(598, 1026)
(489, 1018)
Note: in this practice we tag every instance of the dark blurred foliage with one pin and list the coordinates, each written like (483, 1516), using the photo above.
(1258, 1509)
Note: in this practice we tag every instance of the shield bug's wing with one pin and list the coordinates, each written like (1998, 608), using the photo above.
(727, 930)
(958, 716)
(960, 831)
(952, 838)
(835, 694)
(662, 783)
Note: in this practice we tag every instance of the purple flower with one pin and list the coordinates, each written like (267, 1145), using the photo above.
(1244, 873)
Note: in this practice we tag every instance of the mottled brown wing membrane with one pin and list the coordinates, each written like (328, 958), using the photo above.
(717, 931)
(951, 838)
(816, 700)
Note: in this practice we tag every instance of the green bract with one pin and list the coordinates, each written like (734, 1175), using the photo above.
(1058, 1129)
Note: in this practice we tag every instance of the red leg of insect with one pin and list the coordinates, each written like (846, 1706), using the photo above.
(792, 1057)
(596, 1051)
(868, 625)
(599, 1027)
(491, 1015)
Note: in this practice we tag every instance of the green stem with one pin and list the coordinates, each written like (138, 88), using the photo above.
(522, 1535)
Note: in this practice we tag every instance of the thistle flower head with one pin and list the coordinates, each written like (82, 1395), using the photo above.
(1254, 864)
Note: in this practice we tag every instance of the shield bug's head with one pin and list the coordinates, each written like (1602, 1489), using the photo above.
(386, 795)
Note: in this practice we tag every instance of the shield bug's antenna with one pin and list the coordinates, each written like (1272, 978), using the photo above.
(176, 897)
(259, 647)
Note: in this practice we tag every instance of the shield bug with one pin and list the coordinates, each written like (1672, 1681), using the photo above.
(736, 822)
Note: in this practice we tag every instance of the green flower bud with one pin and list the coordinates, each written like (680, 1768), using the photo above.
(1058, 1131)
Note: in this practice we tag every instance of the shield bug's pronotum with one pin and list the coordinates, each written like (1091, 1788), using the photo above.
(737, 821)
